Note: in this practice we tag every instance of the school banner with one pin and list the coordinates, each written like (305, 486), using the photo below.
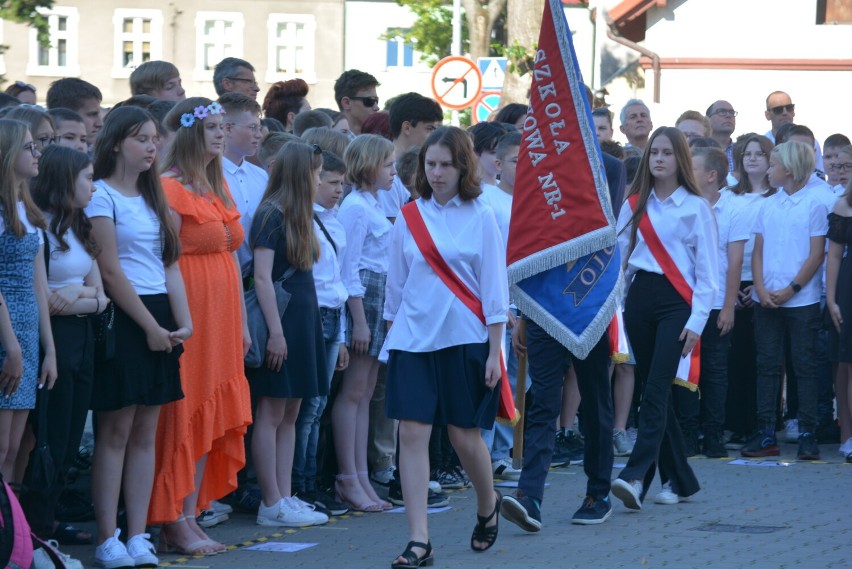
(564, 267)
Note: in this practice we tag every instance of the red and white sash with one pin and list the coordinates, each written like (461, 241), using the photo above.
(688, 370)
(506, 408)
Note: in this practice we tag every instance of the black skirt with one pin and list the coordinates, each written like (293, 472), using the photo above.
(443, 387)
(136, 375)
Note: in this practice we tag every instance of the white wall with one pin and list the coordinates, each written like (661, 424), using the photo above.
(365, 23)
(747, 29)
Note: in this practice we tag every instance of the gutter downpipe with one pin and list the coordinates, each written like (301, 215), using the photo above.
(655, 59)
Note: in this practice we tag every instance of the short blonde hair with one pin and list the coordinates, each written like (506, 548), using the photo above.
(364, 156)
(152, 76)
(797, 158)
(695, 116)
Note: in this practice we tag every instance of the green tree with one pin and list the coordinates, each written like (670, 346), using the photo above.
(24, 12)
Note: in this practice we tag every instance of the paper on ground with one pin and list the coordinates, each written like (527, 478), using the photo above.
(280, 547)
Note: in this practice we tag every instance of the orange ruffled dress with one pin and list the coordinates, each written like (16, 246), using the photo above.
(216, 410)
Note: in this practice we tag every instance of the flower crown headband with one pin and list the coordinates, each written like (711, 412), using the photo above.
(200, 112)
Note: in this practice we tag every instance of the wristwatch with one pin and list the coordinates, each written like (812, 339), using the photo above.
(795, 286)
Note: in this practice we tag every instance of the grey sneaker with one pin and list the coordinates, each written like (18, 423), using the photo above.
(621, 444)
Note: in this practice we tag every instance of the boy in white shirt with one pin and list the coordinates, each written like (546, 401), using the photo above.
(710, 166)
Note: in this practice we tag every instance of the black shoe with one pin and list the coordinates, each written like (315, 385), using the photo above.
(569, 448)
(714, 447)
(74, 506)
(690, 439)
(412, 560)
(522, 511)
(763, 443)
(808, 447)
(593, 511)
(324, 503)
(433, 499)
(245, 499)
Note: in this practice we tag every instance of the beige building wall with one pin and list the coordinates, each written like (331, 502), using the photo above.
(248, 32)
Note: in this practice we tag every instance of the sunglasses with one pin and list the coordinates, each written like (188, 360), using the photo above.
(780, 108)
(22, 85)
(317, 149)
(367, 101)
(601, 112)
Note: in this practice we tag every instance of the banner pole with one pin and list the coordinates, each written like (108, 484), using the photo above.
(520, 399)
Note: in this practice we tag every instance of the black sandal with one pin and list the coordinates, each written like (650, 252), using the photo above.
(483, 533)
(413, 561)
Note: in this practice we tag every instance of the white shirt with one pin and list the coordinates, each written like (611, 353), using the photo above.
(749, 206)
(426, 315)
(367, 236)
(787, 224)
(685, 224)
(331, 293)
(247, 183)
(733, 225)
(501, 203)
(137, 236)
(393, 199)
(67, 268)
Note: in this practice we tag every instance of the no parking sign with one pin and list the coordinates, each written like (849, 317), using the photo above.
(487, 103)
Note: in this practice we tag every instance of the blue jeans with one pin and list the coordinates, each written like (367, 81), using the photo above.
(307, 425)
(803, 324)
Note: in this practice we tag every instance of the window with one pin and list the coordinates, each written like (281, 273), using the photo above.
(834, 12)
(59, 59)
(217, 35)
(292, 47)
(138, 38)
(399, 53)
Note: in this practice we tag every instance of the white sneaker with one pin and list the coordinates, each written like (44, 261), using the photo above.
(221, 508)
(211, 518)
(434, 486)
(42, 558)
(503, 468)
(310, 509)
(142, 551)
(383, 477)
(112, 554)
(621, 444)
(791, 431)
(630, 493)
(666, 496)
(284, 514)
(845, 448)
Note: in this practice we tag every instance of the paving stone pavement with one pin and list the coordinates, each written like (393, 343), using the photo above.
(751, 516)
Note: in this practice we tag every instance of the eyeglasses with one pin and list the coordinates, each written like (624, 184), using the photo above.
(22, 85)
(252, 82)
(781, 108)
(32, 149)
(254, 128)
(725, 112)
(44, 141)
(843, 167)
(367, 101)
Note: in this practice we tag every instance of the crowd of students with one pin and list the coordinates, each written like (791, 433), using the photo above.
(133, 241)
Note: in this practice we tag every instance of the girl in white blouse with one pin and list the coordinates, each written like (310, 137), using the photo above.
(61, 190)
(444, 361)
(364, 266)
(664, 315)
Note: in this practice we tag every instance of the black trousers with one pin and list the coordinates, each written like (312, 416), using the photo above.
(654, 317)
(67, 408)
